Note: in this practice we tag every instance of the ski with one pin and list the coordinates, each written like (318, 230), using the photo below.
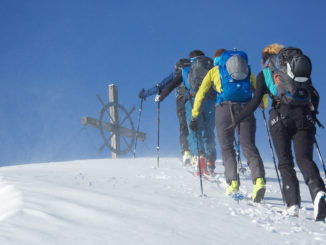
(237, 196)
(212, 179)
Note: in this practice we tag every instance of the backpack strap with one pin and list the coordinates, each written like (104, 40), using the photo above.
(295, 97)
(185, 72)
(269, 81)
(276, 65)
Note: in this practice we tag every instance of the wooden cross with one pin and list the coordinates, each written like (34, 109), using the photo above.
(114, 125)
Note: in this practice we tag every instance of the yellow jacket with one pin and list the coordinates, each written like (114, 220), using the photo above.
(212, 78)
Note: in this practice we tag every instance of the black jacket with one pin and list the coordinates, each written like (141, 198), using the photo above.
(261, 89)
(176, 81)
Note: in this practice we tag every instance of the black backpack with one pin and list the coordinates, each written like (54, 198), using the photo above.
(290, 71)
(197, 71)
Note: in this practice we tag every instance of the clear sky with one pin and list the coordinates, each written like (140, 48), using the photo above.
(55, 56)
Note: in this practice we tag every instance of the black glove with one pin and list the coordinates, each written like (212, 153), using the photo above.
(315, 119)
(141, 93)
(193, 124)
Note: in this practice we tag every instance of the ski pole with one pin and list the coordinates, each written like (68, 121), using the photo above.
(242, 169)
(237, 145)
(139, 114)
(271, 148)
(199, 167)
(320, 157)
(158, 135)
(158, 128)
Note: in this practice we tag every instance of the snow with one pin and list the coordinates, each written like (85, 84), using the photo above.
(130, 201)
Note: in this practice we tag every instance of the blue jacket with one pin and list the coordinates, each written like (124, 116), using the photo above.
(159, 87)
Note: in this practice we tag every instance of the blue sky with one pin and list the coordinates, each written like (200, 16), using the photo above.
(55, 56)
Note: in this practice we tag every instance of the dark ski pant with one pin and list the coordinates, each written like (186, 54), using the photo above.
(205, 131)
(223, 120)
(298, 127)
(183, 126)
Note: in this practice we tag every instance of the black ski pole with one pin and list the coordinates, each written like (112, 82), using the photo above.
(242, 169)
(320, 157)
(199, 167)
(158, 128)
(158, 135)
(138, 124)
(272, 151)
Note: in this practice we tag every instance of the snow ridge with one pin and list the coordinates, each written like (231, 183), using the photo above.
(130, 201)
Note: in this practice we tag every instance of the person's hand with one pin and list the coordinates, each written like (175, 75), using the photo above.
(157, 98)
(315, 119)
(193, 124)
(141, 93)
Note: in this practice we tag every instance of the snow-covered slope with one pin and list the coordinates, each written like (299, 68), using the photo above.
(129, 201)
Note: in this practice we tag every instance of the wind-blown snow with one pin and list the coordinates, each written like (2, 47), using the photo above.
(129, 201)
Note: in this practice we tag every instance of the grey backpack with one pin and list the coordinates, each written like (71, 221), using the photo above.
(198, 70)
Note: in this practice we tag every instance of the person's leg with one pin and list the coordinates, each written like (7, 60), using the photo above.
(191, 134)
(209, 131)
(225, 136)
(303, 142)
(255, 163)
(281, 132)
(183, 127)
(249, 149)
(199, 134)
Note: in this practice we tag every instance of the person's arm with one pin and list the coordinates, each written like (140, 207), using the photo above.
(152, 91)
(175, 82)
(264, 103)
(260, 91)
(202, 91)
(315, 98)
(315, 102)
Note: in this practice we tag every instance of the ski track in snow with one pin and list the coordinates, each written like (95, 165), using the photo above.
(269, 216)
(110, 201)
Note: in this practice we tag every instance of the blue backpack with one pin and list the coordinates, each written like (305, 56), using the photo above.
(185, 72)
(235, 77)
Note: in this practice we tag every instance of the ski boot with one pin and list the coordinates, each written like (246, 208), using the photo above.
(233, 191)
(186, 158)
(233, 188)
(292, 211)
(259, 190)
(320, 206)
(211, 168)
(202, 162)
